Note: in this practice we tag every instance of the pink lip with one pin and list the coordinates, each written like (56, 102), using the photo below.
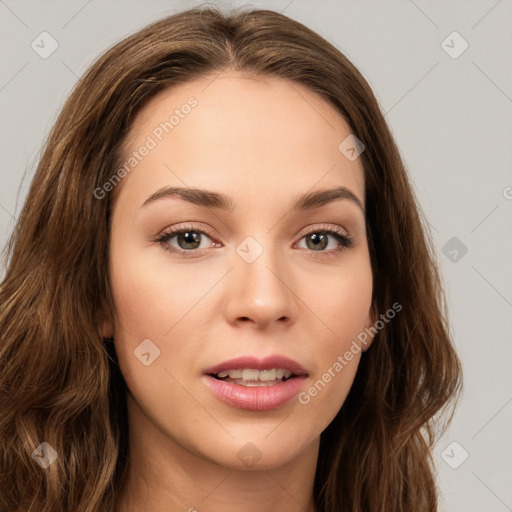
(256, 398)
(254, 363)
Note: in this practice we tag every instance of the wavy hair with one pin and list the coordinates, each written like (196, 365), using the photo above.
(61, 384)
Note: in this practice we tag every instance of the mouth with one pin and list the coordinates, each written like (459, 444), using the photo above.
(253, 377)
(254, 384)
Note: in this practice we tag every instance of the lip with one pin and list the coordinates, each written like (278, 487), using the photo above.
(256, 398)
(274, 361)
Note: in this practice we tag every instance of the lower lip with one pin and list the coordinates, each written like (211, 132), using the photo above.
(255, 398)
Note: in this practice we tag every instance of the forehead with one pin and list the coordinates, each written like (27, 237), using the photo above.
(234, 132)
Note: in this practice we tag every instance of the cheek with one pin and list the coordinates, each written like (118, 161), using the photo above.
(158, 300)
(341, 302)
(152, 301)
(142, 296)
(343, 305)
(151, 294)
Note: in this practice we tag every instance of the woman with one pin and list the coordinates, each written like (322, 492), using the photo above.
(220, 292)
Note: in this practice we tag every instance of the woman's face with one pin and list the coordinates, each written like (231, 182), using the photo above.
(259, 278)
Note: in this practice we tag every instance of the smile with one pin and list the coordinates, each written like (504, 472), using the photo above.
(252, 377)
(256, 384)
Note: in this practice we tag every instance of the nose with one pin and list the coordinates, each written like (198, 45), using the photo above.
(261, 292)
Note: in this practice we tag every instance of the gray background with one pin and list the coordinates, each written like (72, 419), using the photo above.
(451, 118)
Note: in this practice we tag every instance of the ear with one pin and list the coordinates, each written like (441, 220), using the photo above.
(370, 333)
(106, 327)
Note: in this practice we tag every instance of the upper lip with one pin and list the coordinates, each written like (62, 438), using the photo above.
(255, 363)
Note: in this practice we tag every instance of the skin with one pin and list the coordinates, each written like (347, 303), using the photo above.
(261, 141)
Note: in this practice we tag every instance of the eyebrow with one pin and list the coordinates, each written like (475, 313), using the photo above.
(219, 201)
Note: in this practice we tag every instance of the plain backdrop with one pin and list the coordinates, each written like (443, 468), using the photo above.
(449, 107)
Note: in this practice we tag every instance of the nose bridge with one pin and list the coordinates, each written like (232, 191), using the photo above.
(260, 288)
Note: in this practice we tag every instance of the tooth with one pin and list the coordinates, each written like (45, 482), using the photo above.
(250, 374)
(259, 383)
(266, 375)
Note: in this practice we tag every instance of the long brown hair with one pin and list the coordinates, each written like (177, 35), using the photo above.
(59, 382)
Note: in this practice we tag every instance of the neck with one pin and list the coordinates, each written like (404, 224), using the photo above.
(165, 476)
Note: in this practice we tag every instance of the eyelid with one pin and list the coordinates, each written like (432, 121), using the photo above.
(201, 228)
(312, 228)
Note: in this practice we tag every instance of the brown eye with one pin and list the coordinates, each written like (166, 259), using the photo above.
(188, 240)
(318, 241)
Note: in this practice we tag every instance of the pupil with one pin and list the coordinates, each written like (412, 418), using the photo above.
(190, 237)
(321, 240)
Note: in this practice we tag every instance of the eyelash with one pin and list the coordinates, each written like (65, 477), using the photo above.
(344, 239)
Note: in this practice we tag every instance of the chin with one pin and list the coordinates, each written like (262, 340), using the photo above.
(257, 453)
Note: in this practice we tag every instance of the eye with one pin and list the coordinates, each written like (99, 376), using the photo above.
(188, 239)
(318, 240)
